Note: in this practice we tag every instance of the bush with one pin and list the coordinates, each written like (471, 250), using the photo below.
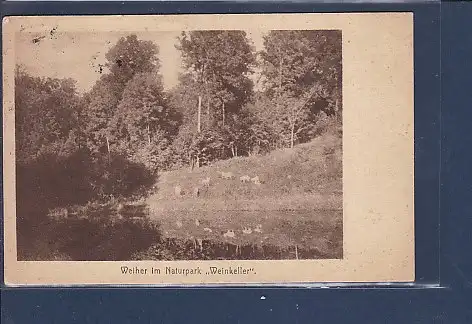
(116, 176)
(51, 181)
(330, 124)
(55, 181)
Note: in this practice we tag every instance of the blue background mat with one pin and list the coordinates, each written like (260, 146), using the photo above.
(443, 74)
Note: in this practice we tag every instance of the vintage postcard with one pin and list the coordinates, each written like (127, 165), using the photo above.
(208, 149)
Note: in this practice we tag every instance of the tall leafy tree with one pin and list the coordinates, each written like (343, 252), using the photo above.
(142, 110)
(184, 99)
(130, 56)
(218, 66)
(46, 112)
(220, 62)
(100, 107)
(264, 130)
(127, 58)
(144, 121)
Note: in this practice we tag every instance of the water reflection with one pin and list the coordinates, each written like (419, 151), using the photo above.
(120, 231)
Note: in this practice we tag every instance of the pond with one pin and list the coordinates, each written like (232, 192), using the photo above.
(115, 232)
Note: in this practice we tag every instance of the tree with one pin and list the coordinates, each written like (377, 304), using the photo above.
(302, 76)
(220, 62)
(184, 100)
(266, 132)
(144, 121)
(100, 107)
(130, 56)
(46, 113)
(218, 65)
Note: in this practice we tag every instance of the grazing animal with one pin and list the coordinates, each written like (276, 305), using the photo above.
(60, 213)
(206, 229)
(289, 177)
(256, 180)
(229, 233)
(247, 230)
(120, 207)
(179, 224)
(258, 229)
(245, 178)
(196, 192)
(197, 222)
(178, 191)
(206, 182)
(226, 175)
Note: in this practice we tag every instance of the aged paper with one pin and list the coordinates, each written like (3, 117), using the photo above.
(87, 99)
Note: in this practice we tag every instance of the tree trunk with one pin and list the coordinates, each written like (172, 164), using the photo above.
(292, 135)
(223, 109)
(80, 132)
(199, 113)
(280, 76)
(191, 163)
(108, 146)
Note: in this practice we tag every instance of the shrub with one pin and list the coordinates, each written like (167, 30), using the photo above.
(118, 176)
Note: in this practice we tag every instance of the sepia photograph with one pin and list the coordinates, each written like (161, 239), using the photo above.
(230, 147)
(150, 143)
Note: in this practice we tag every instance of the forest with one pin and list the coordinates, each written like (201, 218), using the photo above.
(81, 155)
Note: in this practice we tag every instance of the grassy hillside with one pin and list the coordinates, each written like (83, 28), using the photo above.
(307, 176)
(298, 203)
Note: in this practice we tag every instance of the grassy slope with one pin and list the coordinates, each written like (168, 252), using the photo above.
(314, 169)
(299, 201)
